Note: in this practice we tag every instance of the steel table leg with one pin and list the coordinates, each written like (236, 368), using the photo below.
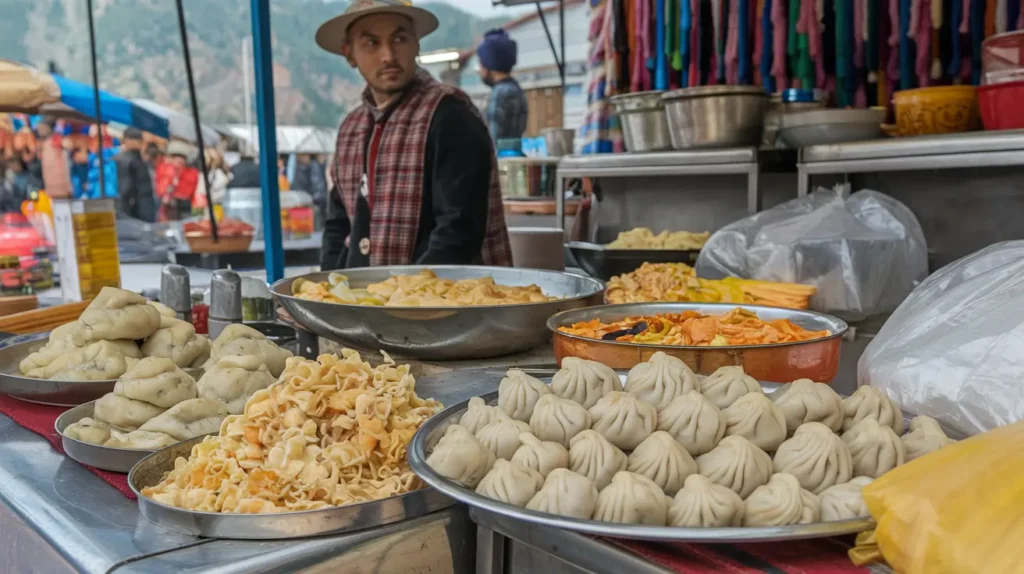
(753, 193)
(490, 551)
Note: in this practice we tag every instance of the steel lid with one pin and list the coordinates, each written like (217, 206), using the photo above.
(702, 91)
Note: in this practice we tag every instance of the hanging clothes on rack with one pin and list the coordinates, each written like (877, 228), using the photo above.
(923, 39)
(660, 62)
(955, 63)
(673, 41)
(860, 34)
(686, 63)
(732, 43)
(743, 72)
(757, 26)
(600, 130)
(779, 27)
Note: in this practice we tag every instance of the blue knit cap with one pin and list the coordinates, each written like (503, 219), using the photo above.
(497, 52)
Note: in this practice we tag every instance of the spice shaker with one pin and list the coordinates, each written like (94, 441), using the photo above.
(176, 291)
(225, 301)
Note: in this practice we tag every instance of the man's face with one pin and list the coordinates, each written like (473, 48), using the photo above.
(43, 129)
(384, 48)
(131, 144)
(485, 76)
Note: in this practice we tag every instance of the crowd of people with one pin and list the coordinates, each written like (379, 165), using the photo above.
(153, 181)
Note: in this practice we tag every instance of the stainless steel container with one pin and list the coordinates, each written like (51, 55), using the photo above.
(716, 116)
(644, 126)
(225, 301)
(176, 291)
(558, 141)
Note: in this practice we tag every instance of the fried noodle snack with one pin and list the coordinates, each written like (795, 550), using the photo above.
(424, 289)
(328, 433)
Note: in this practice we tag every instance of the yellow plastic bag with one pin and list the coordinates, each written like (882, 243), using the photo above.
(956, 511)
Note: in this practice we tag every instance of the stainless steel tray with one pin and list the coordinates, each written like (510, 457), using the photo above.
(604, 263)
(43, 391)
(431, 432)
(442, 333)
(152, 469)
(94, 455)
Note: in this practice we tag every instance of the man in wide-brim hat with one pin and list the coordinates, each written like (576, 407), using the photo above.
(415, 176)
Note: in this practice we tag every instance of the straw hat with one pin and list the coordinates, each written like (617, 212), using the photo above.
(331, 34)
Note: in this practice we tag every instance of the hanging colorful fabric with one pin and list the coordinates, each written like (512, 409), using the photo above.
(767, 47)
(779, 28)
(977, 22)
(955, 16)
(906, 69)
(660, 61)
(842, 55)
(683, 54)
(743, 41)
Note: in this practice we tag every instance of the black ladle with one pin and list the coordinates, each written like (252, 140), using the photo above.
(634, 330)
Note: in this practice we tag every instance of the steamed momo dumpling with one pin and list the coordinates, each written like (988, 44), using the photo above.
(566, 493)
(845, 501)
(518, 393)
(583, 381)
(663, 460)
(542, 456)
(157, 381)
(117, 314)
(871, 403)
(242, 340)
(57, 346)
(704, 504)
(816, 456)
(88, 430)
(510, 483)
(738, 464)
(781, 502)
(632, 499)
(189, 419)
(874, 448)
(501, 436)
(233, 380)
(659, 380)
(925, 437)
(164, 310)
(805, 401)
(177, 340)
(756, 417)
(558, 420)
(623, 419)
(694, 422)
(591, 455)
(460, 457)
(99, 361)
(728, 384)
(478, 414)
(123, 413)
(141, 440)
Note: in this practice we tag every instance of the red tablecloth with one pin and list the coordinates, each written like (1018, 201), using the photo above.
(39, 419)
(821, 556)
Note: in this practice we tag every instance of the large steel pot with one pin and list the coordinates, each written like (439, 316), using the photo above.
(442, 333)
(817, 360)
(715, 116)
(644, 127)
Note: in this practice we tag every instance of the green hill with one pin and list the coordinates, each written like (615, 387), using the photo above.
(140, 51)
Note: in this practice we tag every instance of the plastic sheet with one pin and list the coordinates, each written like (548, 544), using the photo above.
(142, 242)
(955, 349)
(864, 253)
(954, 511)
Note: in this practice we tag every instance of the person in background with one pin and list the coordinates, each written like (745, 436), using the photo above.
(282, 173)
(80, 171)
(134, 181)
(318, 181)
(301, 179)
(176, 183)
(218, 181)
(14, 185)
(506, 107)
(245, 173)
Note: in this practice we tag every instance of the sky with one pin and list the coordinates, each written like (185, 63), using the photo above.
(480, 7)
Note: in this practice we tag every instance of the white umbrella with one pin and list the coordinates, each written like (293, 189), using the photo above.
(181, 125)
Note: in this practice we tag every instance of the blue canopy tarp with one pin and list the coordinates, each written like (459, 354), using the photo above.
(80, 97)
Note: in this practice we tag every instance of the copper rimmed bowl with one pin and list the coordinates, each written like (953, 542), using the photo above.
(817, 359)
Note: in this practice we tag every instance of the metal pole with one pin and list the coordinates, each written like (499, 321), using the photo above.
(195, 119)
(247, 83)
(551, 42)
(96, 98)
(561, 49)
(262, 63)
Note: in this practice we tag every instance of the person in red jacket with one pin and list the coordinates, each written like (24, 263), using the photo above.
(176, 183)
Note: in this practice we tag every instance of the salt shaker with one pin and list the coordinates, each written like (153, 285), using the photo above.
(225, 301)
(176, 291)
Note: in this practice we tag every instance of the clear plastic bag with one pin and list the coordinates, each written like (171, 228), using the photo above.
(864, 253)
(955, 349)
(142, 242)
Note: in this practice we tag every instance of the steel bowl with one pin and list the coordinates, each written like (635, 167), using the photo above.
(817, 359)
(716, 116)
(442, 333)
(644, 125)
(826, 127)
(94, 455)
(604, 263)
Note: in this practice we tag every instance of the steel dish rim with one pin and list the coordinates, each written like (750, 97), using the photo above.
(417, 462)
(57, 426)
(199, 514)
(596, 286)
(553, 327)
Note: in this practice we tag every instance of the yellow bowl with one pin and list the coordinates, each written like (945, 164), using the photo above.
(937, 110)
